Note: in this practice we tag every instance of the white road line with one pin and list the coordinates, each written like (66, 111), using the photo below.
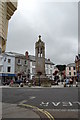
(32, 97)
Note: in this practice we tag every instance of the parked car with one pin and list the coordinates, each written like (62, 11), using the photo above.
(18, 82)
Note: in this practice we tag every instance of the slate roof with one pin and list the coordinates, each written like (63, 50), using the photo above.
(31, 57)
(71, 65)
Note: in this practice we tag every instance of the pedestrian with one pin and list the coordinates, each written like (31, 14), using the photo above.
(76, 81)
(11, 83)
(70, 82)
(66, 82)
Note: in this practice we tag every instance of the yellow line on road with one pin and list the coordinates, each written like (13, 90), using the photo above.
(41, 110)
(49, 115)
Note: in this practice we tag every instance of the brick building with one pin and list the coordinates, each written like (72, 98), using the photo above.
(77, 63)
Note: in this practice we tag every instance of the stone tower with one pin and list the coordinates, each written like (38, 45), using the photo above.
(40, 57)
(40, 76)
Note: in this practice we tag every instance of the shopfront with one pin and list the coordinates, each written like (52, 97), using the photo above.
(4, 77)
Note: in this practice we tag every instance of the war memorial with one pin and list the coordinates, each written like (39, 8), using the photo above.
(40, 76)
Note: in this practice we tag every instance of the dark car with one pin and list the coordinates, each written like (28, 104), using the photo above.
(18, 82)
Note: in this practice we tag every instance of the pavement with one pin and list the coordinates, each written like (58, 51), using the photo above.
(60, 85)
(14, 111)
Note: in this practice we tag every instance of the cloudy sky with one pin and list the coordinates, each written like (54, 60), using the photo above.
(56, 22)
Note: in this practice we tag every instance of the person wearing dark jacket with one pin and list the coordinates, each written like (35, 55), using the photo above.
(76, 81)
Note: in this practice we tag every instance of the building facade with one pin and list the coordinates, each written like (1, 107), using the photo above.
(15, 65)
(7, 69)
(21, 66)
(49, 67)
(77, 63)
(7, 9)
(71, 70)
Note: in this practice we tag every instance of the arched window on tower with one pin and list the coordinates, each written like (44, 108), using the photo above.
(41, 52)
(38, 52)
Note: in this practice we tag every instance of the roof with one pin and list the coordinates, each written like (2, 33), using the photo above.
(15, 54)
(77, 57)
(71, 65)
(31, 57)
(9, 54)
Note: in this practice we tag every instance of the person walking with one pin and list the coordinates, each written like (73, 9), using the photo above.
(76, 81)
(66, 82)
(71, 82)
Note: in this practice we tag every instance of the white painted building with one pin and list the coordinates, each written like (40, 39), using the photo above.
(7, 66)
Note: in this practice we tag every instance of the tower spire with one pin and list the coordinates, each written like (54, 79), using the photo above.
(39, 36)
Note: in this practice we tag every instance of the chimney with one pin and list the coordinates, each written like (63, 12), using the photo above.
(48, 59)
(26, 54)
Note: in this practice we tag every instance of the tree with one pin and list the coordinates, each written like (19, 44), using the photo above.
(61, 67)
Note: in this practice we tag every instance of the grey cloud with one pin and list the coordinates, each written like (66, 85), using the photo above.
(56, 22)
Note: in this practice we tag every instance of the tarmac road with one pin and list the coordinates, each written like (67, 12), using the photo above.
(59, 102)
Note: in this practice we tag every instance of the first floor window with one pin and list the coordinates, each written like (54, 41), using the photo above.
(9, 60)
(8, 69)
(19, 61)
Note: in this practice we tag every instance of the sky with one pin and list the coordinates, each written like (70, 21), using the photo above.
(56, 22)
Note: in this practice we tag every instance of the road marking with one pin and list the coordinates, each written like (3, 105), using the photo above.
(41, 110)
(24, 101)
(44, 104)
(63, 104)
(49, 115)
(32, 97)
